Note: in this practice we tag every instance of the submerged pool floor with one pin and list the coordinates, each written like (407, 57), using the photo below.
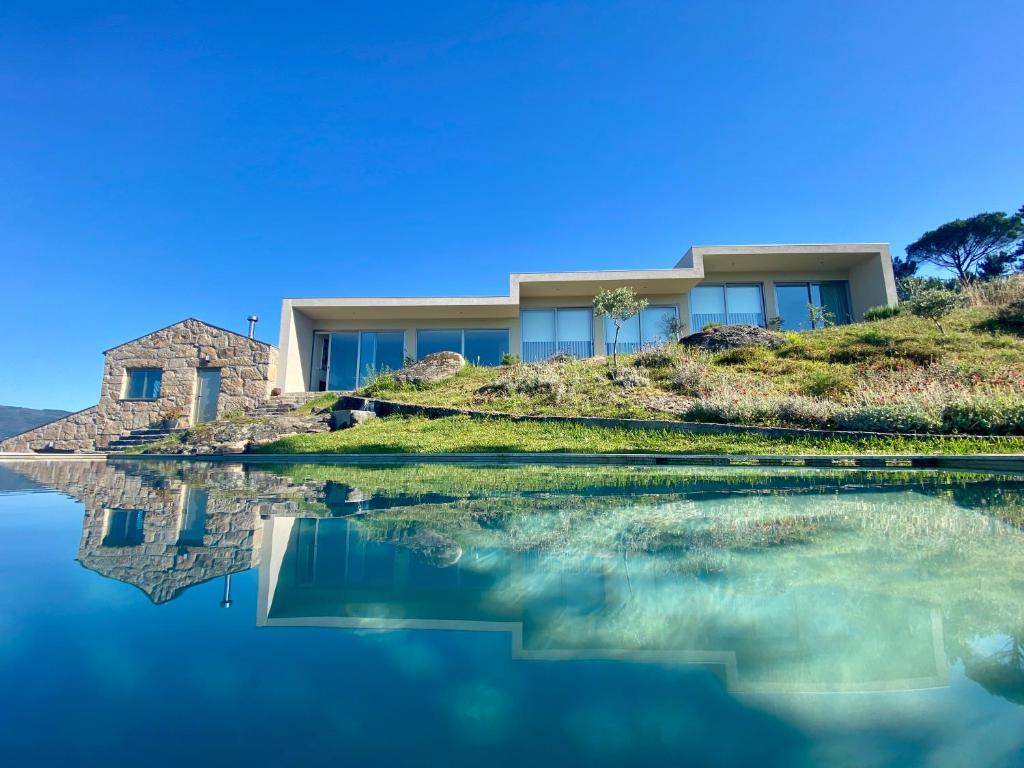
(315, 614)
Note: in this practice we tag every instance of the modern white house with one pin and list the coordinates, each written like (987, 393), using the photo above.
(337, 343)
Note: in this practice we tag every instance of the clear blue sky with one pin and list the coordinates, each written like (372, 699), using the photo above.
(162, 160)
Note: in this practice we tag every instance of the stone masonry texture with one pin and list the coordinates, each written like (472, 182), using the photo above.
(247, 369)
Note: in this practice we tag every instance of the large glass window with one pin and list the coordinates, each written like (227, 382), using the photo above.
(143, 383)
(726, 305)
(480, 346)
(485, 347)
(429, 342)
(803, 306)
(345, 360)
(379, 352)
(647, 329)
(568, 330)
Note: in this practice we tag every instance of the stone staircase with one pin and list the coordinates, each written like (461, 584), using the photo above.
(281, 404)
(138, 437)
(274, 406)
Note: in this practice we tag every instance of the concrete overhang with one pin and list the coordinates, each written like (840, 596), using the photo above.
(643, 281)
(780, 258)
(482, 307)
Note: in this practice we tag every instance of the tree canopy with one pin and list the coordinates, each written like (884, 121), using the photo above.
(986, 245)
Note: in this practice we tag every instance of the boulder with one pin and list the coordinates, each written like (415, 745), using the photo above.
(720, 337)
(350, 418)
(237, 436)
(432, 368)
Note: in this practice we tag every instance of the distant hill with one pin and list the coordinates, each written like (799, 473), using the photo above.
(14, 419)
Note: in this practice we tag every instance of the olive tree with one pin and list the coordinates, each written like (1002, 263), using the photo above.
(619, 304)
(934, 304)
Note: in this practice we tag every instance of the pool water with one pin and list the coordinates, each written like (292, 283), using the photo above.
(218, 614)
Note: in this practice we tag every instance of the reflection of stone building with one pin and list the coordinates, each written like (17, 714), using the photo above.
(166, 528)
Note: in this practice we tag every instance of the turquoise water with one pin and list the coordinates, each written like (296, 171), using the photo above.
(168, 614)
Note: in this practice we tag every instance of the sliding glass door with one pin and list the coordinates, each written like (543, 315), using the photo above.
(480, 346)
(566, 330)
(650, 328)
(345, 360)
(728, 304)
(805, 306)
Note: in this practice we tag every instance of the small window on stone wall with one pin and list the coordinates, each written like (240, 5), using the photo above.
(143, 383)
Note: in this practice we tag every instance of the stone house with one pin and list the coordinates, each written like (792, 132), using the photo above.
(190, 371)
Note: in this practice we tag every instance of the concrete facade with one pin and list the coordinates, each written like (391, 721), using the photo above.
(247, 368)
(865, 268)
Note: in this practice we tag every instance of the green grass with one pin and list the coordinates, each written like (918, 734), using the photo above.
(843, 367)
(461, 434)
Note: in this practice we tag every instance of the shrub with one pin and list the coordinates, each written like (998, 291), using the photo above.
(381, 383)
(804, 412)
(985, 415)
(1010, 317)
(529, 379)
(898, 416)
(828, 383)
(739, 356)
(509, 359)
(934, 304)
(653, 357)
(629, 378)
(692, 377)
(995, 293)
(882, 312)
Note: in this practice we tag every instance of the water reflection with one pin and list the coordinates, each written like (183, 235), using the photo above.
(781, 582)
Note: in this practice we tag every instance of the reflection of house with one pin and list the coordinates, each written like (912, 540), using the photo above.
(165, 529)
(322, 572)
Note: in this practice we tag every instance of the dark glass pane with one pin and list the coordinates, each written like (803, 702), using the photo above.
(321, 359)
(428, 342)
(144, 383)
(124, 528)
(793, 303)
(344, 348)
(835, 301)
(486, 347)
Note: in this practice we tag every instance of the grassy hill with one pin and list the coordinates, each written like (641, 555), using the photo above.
(15, 420)
(894, 375)
(961, 391)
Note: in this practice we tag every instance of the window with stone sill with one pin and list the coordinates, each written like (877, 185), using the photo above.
(142, 383)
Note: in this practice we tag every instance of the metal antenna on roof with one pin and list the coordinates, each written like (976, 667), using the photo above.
(252, 325)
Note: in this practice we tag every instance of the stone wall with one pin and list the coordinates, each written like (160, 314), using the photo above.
(247, 369)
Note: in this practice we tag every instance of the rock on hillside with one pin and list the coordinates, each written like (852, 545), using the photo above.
(719, 337)
(432, 368)
(238, 436)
